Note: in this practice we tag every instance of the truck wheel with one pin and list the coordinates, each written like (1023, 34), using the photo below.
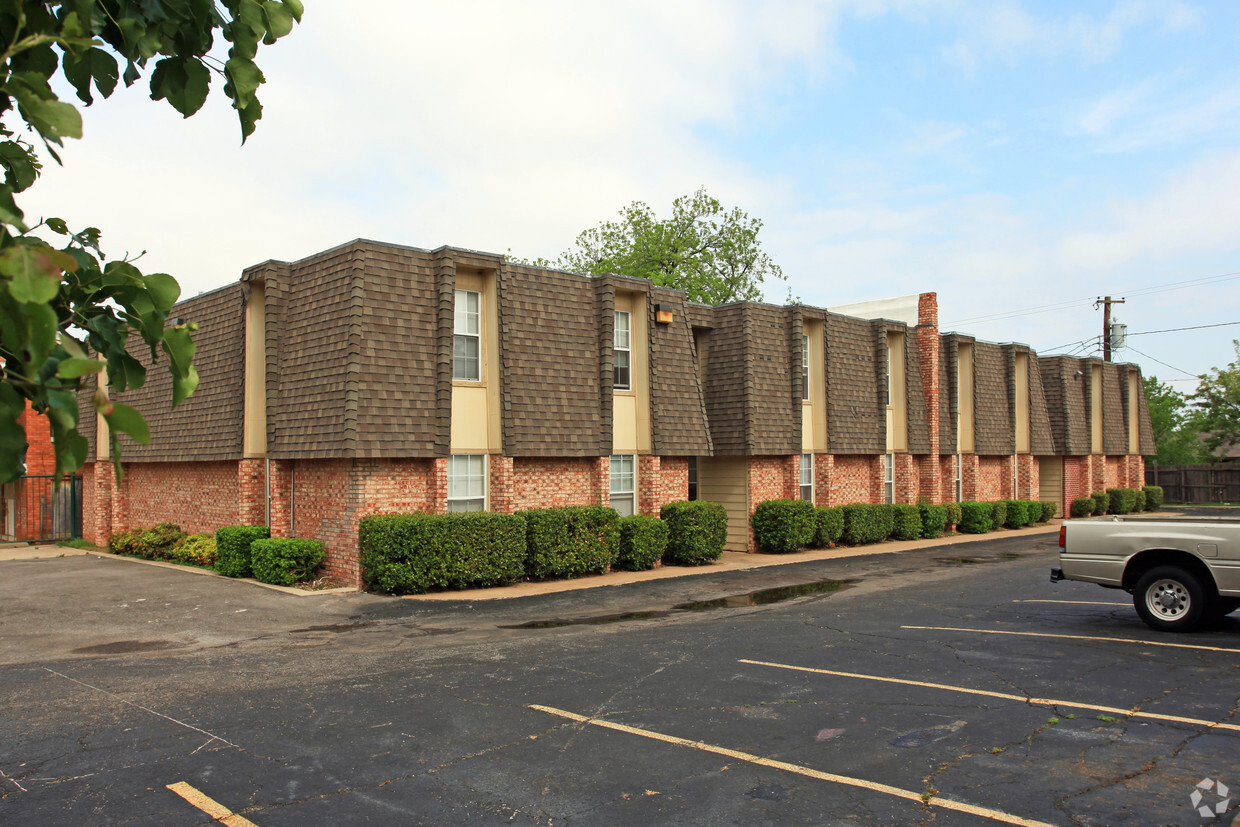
(1170, 599)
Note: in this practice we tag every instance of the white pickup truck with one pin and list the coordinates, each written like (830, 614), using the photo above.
(1180, 571)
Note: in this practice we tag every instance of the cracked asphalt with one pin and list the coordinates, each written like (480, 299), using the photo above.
(953, 685)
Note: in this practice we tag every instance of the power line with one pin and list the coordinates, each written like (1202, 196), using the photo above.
(1178, 329)
(1164, 364)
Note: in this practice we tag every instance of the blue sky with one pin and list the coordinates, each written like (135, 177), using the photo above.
(1010, 156)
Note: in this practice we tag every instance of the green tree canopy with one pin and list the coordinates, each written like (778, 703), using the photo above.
(1176, 426)
(67, 312)
(710, 252)
(1217, 401)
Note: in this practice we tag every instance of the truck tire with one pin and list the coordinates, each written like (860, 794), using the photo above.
(1170, 599)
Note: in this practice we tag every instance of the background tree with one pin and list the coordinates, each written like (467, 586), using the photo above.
(61, 307)
(1217, 401)
(1176, 426)
(710, 252)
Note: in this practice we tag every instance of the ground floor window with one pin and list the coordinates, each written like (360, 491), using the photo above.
(959, 464)
(467, 482)
(693, 478)
(807, 477)
(889, 478)
(623, 484)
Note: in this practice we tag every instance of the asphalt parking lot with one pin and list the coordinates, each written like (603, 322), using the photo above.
(954, 685)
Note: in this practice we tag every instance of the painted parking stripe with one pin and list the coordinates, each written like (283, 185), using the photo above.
(1075, 602)
(210, 806)
(873, 786)
(1078, 637)
(1134, 712)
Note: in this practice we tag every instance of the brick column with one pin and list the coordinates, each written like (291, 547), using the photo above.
(282, 485)
(97, 523)
(437, 486)
(649, 484)
(252, 491)
(1097, 472)
(824, 469)
(501, 484)
(1027, 477)
(905, 479)
(968, 476)
(601, 476)
(119, 500)
(930, 481)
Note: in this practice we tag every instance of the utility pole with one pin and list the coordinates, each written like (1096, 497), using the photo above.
(1106, 324)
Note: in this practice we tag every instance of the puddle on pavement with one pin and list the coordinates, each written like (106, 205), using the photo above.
(122, 647)
(971, 561)
(761, 597)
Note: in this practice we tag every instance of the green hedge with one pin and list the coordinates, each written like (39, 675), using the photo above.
(1035, 512)
(1048, 510)
(1015, 514)
(933, 520)
(283, 561)
(126, 541)
(783, 526)
(1101, 502)
(976, 518)
(905, 522)
(643, 540)
(1083, 507)
(413, 553)
(197, 549)
(829, 525)
(1139, 504)
(156, 543)
(571, 541)
(998, 513)
(1122, 500)
(696, 532)
(953, 513)
(232, 548)
(867, 523)
(1153, 497)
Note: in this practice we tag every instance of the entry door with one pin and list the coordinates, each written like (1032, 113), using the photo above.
(10, 511)
(1050, 489)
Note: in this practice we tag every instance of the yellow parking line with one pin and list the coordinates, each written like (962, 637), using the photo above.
(1075, 602)
(1078, 637)
(210, 806)
(874, 786)
(1134, 712)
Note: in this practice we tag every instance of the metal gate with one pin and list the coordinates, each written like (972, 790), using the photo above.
(37, 510)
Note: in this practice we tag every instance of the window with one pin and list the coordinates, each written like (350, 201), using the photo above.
(467, 482)
(889, 478)
(959, 462)
(807, 477)
(804, 367)
(693, 478)
(623, 484)
(622, 379)
(467, 337)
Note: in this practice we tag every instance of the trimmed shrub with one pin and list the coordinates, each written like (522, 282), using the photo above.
(157, 543)
(1139, 503)
(1048, 510)
(642, 543)
(1101, 502)
(413, 553)
(125, 542)
(196, 549)
(933, 520)
(283, 561)
(1153, 497)
(953, 513)
(1035, 512)
(905, 522)
(232, 548)
(570, 541)
(867, 523)
(1123, 500)
(829, 525)
(783, 526)
(976, 518)
(998, 513)
(696, 532)
(1083, 507)
(1017, 514)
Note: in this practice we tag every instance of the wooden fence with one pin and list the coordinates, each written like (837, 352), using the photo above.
(1196, 483)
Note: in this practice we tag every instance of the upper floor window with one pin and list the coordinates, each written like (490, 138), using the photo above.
(467, 337)
(622, 379)
(804, 366)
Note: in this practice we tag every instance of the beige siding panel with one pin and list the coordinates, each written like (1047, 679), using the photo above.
(1050, 474)
(724, 480)
(624, 424)
(469, 419)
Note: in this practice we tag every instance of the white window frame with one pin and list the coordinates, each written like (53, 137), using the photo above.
(622, 343)
(467, 482)
(889, 478)
(958, 461)
(623, 482)
(467, 329)
(807, 477)
(805, 367)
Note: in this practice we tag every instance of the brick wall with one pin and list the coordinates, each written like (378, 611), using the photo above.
(855, 479)
(40, 455)
(661, 480)
(772, 478)
(994, 478)
(907, 478)
(551, 483)
(197, 496)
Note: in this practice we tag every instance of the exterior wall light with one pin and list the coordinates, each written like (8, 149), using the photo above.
(663, 313)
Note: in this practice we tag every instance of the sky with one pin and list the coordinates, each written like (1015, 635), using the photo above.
(1020, 159)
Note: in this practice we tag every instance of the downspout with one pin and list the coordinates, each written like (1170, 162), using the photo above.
(292, 496)
(267, 477)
